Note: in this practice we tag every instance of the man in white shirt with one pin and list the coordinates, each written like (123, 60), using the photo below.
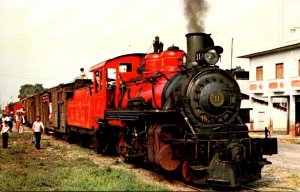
(5, 118)
(4, 132)
(37, 129)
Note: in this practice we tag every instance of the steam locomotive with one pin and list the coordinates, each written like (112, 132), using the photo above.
(178, 111)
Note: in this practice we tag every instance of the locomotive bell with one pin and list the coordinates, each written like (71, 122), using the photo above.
(196, 42)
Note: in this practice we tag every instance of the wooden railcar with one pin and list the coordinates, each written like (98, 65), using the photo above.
(30, 109)
(54, 110)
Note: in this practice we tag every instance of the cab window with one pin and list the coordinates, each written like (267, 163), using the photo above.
(98, 82)
(111, 77)
(125, 67)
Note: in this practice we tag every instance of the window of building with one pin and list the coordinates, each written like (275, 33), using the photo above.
(259, 73)
(279, 71)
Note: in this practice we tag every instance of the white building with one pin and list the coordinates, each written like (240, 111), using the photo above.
(274, 88)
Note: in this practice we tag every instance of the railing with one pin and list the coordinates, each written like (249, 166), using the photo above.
(257, 87)
(274, 85)
(295, 83)
(277, 85)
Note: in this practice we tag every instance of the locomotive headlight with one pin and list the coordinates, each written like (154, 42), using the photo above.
(211, 57)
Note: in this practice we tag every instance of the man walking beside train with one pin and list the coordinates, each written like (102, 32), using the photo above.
(38, 129)
(4, 131)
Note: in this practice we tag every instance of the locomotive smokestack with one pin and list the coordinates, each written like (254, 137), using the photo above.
(195, 13)
(196, 42)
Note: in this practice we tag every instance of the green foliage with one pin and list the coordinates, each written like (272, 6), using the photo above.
(239, 68)
(54, 168)
(29, 89)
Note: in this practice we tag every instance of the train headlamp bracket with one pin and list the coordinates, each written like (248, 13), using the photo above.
(210, 55)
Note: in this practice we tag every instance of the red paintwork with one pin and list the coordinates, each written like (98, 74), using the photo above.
(159, 152)
(167, 63)
(88, 104)
(14, 107)
(79, 109)
(153, 62)
(7, 110)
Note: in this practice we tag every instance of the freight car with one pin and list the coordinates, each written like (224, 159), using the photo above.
(176, 110)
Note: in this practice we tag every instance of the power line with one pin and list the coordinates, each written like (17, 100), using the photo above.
(10, 76)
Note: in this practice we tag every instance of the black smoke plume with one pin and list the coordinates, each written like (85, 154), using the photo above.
(195, 13)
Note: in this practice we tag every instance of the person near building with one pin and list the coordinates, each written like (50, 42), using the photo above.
(38, 129)
(4, 131)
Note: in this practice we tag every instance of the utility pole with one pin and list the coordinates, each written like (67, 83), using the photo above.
(231, 55)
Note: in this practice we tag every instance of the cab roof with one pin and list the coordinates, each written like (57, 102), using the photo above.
(102, 64)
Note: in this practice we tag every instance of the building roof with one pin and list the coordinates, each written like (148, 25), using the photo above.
(274, 50)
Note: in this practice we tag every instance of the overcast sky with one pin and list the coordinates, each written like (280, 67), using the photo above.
(47, 41)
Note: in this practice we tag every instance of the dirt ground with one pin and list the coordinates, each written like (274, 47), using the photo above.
(284, 172)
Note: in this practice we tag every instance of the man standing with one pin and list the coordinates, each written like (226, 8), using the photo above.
(5, 118)
(4, 132)
(157, 45)
(37, 130)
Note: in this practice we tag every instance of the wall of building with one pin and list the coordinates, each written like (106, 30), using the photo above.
(288, 58)
(288, 88)
(259, 117)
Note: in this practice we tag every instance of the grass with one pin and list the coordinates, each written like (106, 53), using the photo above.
(61, 168)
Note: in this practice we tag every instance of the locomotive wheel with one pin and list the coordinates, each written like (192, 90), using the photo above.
(122, 145)
(186, 172)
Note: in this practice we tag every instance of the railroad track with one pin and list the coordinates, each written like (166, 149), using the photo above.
(171, 180)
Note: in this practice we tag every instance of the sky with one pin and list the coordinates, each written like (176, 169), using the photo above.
(48, 41)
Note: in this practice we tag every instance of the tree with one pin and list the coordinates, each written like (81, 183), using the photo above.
(29, 89)
(239, 68)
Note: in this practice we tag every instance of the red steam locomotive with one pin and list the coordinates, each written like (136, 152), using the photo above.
(176, 110)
